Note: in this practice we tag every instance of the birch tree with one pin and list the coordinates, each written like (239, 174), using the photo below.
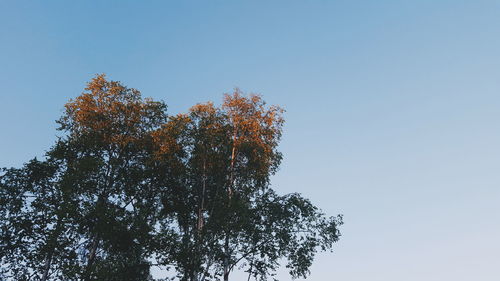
(220, 200)
(106, 147)
(127, 187)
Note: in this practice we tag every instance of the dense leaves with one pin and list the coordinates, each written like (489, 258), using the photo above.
(127, 188)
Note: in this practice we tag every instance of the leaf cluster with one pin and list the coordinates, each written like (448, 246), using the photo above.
(128, 188)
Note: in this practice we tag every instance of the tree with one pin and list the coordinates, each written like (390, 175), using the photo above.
(87, 212)
(219, 203)
(37, 232)
(106, 150)
(127, 187)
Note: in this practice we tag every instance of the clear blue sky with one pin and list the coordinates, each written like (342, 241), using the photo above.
(393, 107)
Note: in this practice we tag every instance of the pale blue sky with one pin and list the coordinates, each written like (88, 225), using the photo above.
(393, 107)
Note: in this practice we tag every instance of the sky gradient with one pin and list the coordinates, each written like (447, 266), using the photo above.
(392, 108)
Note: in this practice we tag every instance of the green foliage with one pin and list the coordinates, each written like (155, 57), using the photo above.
(128, 187)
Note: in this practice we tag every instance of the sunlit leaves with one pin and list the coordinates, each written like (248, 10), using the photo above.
(127, 186)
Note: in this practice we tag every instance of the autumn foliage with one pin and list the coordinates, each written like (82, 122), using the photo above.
(127, 188)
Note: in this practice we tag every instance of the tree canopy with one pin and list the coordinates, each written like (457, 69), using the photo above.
(128, 187)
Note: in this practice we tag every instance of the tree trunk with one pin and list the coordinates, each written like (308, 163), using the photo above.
(91, 258)
(231, 173)
(201, 221)
(200, 224)
(230, 195)
(226, 258)
(46, 268)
